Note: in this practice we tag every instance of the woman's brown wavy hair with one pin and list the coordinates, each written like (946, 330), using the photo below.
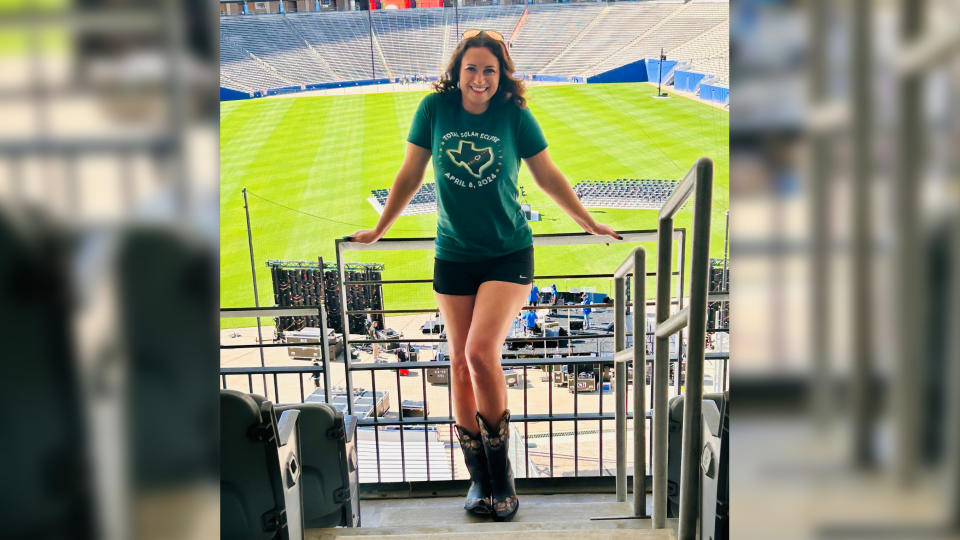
(510, 88)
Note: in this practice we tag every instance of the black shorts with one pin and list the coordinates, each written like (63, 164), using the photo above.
(464, 278)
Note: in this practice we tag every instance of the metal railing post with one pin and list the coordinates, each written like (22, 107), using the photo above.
(639, 380)
(323, 336)
(693, 395)
(620, 380)
(346, 329)
(661, 367)
(635, 263)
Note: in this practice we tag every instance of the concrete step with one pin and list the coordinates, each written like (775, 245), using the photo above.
(555, 534)
(540, 517)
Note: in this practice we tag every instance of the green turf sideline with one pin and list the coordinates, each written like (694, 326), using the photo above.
(309, 164)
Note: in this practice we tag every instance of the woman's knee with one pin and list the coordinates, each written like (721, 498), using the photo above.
(459, 369)
(482, 355)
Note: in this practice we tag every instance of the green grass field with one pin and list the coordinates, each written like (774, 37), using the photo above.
(309, 164)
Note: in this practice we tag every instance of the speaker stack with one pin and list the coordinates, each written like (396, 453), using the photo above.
(305, 283)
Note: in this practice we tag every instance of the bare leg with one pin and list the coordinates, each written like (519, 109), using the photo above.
(457, 312)
(497, 303)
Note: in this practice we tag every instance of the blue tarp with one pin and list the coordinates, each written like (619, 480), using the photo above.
(653, 70)
(687, 80)
(229, 94)
(714, 93)
(632, 72)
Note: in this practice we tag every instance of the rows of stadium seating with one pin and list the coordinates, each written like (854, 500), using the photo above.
(684, 24)
(237, 70)
(343, 41)
(548, 30)
(582, 39)
(709, 53)
(424, 200)
(274, 40)
(425, 27)
(621, 23)
(624, 193)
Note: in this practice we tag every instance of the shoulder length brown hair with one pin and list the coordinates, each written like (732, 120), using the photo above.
(510, 88)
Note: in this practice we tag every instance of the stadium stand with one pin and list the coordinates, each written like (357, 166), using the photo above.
(680, 26)
(343, 39)
(580, 39)
(708, 53)
(620, 24)
(273, 40)
(624, 193)
(547, 31)
(396, 29)
(503, 19)
(239, 70)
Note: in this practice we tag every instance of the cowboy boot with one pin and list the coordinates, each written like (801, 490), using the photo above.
(478, 496)
(495, 444)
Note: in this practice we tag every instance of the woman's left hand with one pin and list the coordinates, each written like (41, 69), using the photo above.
(600, 229)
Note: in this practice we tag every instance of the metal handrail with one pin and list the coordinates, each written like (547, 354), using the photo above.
(322, 372)
(699, 183)
(393, 244)
(289, 311)
(636, 262)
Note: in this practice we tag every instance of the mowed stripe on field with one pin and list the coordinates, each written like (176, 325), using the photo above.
(323, 155)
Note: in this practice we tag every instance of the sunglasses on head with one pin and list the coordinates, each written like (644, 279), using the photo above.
(475, 32)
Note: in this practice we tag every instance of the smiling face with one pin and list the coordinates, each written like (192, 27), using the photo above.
(479, 78)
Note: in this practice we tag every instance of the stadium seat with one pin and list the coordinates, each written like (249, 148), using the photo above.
(330, 480)
(260, 470)
(45, 474)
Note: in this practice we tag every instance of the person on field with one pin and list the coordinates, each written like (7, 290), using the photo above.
(534, 295)
(476, 129)
(586, 310)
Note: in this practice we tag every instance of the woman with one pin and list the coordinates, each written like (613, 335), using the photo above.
(476, 127)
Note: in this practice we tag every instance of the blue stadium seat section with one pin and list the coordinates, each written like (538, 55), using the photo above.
(569, 42)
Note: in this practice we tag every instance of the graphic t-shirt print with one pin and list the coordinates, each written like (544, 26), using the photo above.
(476, 157)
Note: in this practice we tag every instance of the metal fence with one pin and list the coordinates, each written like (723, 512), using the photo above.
(318, 375)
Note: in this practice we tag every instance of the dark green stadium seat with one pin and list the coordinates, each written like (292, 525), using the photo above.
(46, 485)
(260, 471)
(330, 474)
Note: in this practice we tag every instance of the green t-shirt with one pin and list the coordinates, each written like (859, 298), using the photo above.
(476, 158)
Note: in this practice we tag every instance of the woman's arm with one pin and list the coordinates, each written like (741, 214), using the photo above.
(405, 186)
(552, 182)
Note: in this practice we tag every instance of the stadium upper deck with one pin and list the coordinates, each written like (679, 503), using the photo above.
(582, 39)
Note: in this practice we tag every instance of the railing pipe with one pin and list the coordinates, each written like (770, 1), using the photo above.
(324, 340)
(639, 378)
(674, 324)
(620, 381)
(693, 397)
(347, 356)
(635, 263)
(661, 366)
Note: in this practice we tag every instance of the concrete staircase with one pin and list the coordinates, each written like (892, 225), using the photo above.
(541, 517)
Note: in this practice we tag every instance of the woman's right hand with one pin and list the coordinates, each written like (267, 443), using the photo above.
(365, 237)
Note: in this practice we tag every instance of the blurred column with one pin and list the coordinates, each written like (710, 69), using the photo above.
(908, 265)
(862, 390)
(822, 398)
